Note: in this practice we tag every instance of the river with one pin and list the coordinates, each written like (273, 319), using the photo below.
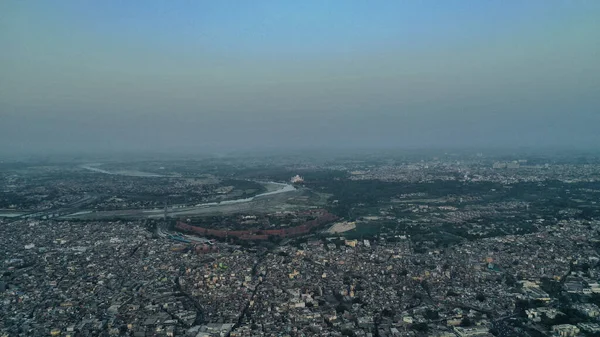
(128, 173)
(282, 188)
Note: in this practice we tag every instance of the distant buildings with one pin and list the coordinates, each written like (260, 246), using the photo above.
(506, 165)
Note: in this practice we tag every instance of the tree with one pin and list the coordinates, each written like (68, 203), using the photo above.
(510, 281)
(342, 307)
(466, 322)
(347, 332)
(431, 314)
(387, 312)
(553, 288)
(420, 327)
(451, 293)
(274, 239)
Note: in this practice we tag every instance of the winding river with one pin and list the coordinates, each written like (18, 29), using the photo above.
(281, 188)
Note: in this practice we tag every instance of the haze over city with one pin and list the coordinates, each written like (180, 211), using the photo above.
(195, 76)
(424, 168)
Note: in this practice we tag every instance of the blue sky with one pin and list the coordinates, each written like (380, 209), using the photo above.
(198, 75)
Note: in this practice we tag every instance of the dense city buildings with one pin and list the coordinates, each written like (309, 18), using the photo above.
(436, 246)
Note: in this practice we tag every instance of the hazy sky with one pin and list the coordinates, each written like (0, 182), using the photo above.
(205, 75)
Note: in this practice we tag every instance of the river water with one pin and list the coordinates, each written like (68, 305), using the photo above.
(93, 168)
(283, 186)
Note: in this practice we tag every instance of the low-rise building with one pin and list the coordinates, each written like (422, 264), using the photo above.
(565, 330)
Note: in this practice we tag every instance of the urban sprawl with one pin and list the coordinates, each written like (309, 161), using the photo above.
(437, 245)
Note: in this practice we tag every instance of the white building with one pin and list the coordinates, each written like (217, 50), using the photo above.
(565, 330)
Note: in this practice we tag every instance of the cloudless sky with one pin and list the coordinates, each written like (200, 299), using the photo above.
(198, 76)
